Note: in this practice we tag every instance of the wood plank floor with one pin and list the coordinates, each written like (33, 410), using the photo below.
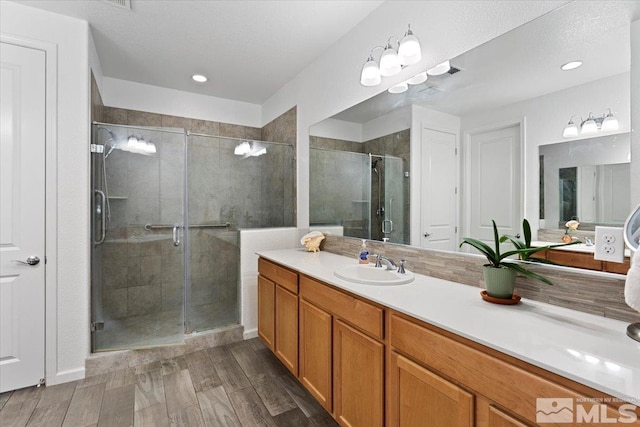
(241, 384)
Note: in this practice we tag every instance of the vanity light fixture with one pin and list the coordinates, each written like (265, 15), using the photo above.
(439, 69)
(199, 78)
(242, 149)
(571, 65)
(392, 60)
(607, 122)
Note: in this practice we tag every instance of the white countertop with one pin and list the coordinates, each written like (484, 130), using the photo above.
(592, 350)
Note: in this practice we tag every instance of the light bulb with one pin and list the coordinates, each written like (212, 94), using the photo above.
(399, 88)
(570, 130)
(439, 69)
(389, 62)
(590, 125)
(409, 52)
(609, 122)
(370, 75)
(418, 78)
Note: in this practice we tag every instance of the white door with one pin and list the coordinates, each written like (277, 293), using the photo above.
(438, 199)
(495, 183)
(587, 193)
(22, 198)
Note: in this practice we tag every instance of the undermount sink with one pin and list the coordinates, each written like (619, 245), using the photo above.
(368, 274)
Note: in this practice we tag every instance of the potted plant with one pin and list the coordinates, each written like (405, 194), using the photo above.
(526, 244)
(500, 273)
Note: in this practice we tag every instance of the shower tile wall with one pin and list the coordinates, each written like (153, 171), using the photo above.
(396, 144)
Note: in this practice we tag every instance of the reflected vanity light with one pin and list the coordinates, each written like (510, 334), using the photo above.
(439, 69)
(606, 123)
(137, 145)
(249, 149)
(392, 60)
(399, 88)
(571, 65)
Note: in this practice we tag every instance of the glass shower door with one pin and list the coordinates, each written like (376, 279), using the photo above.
(393, 226)
(137, 259)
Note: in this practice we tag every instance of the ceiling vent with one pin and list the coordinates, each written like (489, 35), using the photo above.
(453, 70)
(125, 4)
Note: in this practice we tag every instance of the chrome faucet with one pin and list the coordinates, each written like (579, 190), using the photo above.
(401, 267)
(388, 261)
(588, 241)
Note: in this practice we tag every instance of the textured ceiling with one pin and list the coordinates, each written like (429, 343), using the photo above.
(248, 49)
(523, 63)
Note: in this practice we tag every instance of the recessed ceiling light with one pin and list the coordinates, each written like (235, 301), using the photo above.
(199, 78)
(571, 65)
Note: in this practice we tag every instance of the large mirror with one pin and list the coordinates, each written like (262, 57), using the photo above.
(444, 158)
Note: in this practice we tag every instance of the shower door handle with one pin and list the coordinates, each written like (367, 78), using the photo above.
(387, 226)
(103, 218)
(176, 235)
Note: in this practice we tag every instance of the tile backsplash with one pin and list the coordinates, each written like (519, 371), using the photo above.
(600, 294)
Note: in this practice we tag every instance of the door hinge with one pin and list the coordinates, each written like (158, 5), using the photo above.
(455, 230)
(97, 148)
(97, 326)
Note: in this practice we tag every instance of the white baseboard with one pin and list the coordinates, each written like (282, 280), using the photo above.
(250, 333)
(66, 376)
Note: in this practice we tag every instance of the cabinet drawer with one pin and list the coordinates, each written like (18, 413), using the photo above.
(508, 385)
(283, 277)
(357, 312)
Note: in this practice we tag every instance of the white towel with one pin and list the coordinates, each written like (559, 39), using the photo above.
(632, 285)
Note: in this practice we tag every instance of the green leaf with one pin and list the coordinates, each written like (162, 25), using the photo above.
(496, 240)
(483, 248)
(528, 273)
(526, 232)
(517, 243)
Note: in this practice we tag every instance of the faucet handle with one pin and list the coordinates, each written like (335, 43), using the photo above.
(401, 266)
(378, 259)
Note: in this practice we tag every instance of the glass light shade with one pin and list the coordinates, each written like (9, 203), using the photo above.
(409, 52)
(590, 125)
(570, 130)
(418, 78)
(399, 88)
(439, 69)
(389, 62)
(242, 149)
(132, 144)
(609, 123)
(151, 148)
(370, 75)
(260, 152)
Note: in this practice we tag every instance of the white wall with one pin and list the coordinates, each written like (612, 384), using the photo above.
(137, 96)
(252, 241)
(546, 116)
(392, 122)
(94, 64)
(70, 346)
(338, 129)
(331, 83)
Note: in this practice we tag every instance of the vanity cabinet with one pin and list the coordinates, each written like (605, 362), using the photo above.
(466, 383)
(342, 353)
(583, 260)
(278, 312)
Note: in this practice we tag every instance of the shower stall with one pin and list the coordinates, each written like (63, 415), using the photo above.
(364, 193)
(167, 207)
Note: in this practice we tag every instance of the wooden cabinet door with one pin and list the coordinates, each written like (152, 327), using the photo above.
(315, 352)
(286, 328)
(420, 397)
(266, 311)
(499, 418)
(357, 377)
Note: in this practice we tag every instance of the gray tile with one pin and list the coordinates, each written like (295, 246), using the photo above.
(17, 414)
(149, 390)
(49, 415)
(117, 407)
(179, 391)
(84, 408)
(153, 416)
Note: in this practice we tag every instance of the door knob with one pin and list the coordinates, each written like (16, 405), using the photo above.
(427, 234)
(32, 260)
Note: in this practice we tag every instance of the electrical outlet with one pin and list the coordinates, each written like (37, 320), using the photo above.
(609, 244)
